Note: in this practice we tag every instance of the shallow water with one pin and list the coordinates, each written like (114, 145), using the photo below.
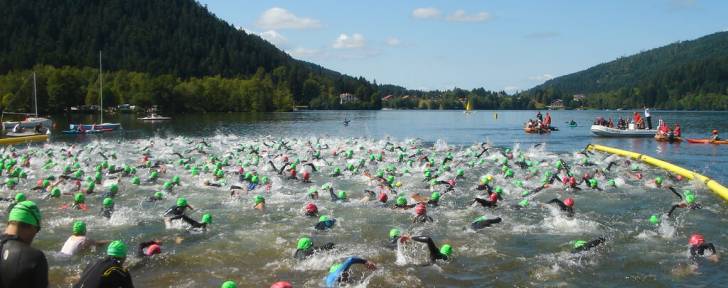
(529, 249)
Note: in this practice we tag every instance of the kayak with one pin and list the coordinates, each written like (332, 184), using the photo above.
(665, 138)
(24, 139)
(102, 126)
(707, 141)
(572, 125)
(87, 131)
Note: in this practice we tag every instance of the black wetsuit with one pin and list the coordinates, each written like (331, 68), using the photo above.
(422, 219)
(569, 210)
(480, 224)
(589, 245)
(692, 207)
(392, 243)
(106, 212)
(699, 250)
(303, 254)
(177, 212)
(485, 203)
(434, 250)
(107, 272)
(21, 265)
(323, 225)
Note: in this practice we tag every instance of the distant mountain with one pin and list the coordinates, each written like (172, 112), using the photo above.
(683, 75)
(180, 38)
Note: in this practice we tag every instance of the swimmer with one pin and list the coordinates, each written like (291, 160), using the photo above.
(688, 201)
(108, 208)
(566, 206)
(259, 202)
(109, 271)
(78, 241)
(339, 273)
(401, 203)
(698, 248)
(325, 223)
(482, 222)
(311, 210)
(21, 264)
(158, 196)
(421, 214)
(581, 245)
(490, 202)
(149, 248)
(178, 211)
(394, 235)
(443, 253)
(305, 248)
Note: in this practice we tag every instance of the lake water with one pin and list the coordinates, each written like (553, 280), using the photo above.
(529, 249)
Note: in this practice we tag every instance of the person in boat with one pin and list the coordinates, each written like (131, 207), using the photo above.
(648, 117)
(442, 253)
(621, 124)
(305, 248)
(714, 136)
(610, 124)
(677, 132)
(78, 241)
(39, 129)
(539, 116)
(547, 120)
(698, 247)
(339, 273)
(572, 123)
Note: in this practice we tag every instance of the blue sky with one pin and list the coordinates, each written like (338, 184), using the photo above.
(495, 44)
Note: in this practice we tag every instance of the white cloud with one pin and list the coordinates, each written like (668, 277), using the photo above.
(301, 52)
(541, 78)
(279, 18)
(461, 16)
(426, 13)
(393, 41)
(274, 38)
(356, 40)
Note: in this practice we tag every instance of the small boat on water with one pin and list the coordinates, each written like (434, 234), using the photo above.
(707, 141)
(605, 131)
(23, 139)
(533, 130)
(89, 131)
(155, 117)
(31, 121)
(103, 126)
(666, 138)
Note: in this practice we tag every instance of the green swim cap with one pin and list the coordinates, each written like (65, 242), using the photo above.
(12, 182)
(135, 180)
(509, 173)
(154, 175)
(116, 249)
(394, 232)
(635, 167)
(435, 196)
(612, 183)
(593, 183)
(114, 188)
(181, 202)
(342, 195)
(229, 284)
(167, 185)
(98, 176)
(23, 174)
(334, 267)
(304, 243)
(79, 228)
(401, 201)
(654, 219)
(175, 180)
(46, 183)
(219, 173)
(195, 171)
(258, 199)
(254, 179)
(428, 174)
(108, 202)
(658, 180)
(390, 179)
(79, 198)
(25, 212)
(158, 195)
(207, 218)
(579, 243)
(690, 198)
(323, 218)
(56, 192)
(20, 197)
(523, 203)
(446, 250)
(264, 180)
(498, 190)
(518, 183)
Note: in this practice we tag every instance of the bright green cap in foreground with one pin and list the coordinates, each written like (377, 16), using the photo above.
(79, 228)
(108, 202)
(579, 243)
(446, 250)
(181, 202)
(394, 232)
(116, 249)
(207, 218)
(304, 243)
(654, 219)
(25, 212)
(229, 284)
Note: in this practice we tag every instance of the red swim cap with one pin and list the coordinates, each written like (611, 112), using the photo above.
(241, 170)
(382, 197)
(679, 177)
(285, 158)
(293, 172)
(281, 284)
(311, 208)
(587, 176)
(153, 249)
(420, 209)
(565, 180)
(493, 197)
(451, 182)
(306, 175)
(696, 239)
(569, 202)
(39, 183)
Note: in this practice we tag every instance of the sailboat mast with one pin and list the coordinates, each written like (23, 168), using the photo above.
(35, 96)
(101, 90)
